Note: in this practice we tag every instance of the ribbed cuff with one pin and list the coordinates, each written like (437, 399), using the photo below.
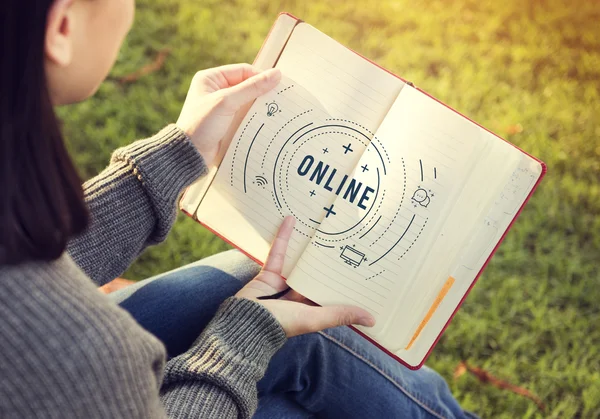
(227, 360)
(249, 328)
(165, 163)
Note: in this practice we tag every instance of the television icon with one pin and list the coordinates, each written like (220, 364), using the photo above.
(352, 256)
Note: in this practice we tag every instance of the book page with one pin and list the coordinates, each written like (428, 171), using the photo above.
(437, 193)
(489, 228)
(368, 250)
(295, 143)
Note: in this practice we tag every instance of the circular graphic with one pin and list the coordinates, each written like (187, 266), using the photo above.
(325, 173)
(347, 193)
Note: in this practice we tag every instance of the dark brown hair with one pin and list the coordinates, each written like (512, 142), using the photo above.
(41, 199)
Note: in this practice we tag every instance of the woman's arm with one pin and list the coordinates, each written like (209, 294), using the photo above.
(67, 351)
(220, 372)
(132, 202)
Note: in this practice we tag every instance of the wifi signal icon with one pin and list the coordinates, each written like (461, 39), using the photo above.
(261, 180)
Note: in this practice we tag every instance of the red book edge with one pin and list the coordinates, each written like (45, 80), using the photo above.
(544, 171)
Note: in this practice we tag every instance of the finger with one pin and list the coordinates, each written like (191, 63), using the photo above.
(237, 73)
(227, 75)
(276, 258)
(248, 90)
(334, 316)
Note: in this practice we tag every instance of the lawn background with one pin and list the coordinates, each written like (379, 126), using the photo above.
(528, 70)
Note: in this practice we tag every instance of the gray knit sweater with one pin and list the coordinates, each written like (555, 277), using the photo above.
(67, 351)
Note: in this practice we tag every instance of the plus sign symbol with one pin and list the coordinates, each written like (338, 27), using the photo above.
(329, 211)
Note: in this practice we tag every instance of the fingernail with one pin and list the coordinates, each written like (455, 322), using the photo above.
(274, 74)
(368, 321)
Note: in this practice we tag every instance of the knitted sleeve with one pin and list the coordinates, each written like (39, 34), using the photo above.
(67, 351)
(132, 202)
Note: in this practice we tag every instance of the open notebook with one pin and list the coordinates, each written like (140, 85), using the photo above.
(399, 200)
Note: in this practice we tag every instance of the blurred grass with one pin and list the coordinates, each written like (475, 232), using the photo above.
(529, 71)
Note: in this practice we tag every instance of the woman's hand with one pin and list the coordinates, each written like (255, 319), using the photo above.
(215, 96)
(295, 313)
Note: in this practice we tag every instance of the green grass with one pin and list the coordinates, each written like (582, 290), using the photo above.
(533, 317)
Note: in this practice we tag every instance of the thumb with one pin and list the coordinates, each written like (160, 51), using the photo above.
(251, 88)
(333, 316)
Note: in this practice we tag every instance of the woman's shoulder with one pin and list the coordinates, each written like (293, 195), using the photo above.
(65, 347)
(55, 305)
(53, 288)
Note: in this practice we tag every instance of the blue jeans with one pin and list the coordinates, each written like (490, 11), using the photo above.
(334, 373)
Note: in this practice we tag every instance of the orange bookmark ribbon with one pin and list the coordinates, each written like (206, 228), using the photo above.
(436, 303)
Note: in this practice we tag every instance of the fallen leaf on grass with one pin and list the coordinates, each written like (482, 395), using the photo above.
(460, 370)
(485, 377)
(155, 65)
(514, 129)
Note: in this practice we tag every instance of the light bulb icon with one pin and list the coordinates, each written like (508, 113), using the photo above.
(272, 108)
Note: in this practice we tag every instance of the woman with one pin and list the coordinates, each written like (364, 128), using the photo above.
(67, 351)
